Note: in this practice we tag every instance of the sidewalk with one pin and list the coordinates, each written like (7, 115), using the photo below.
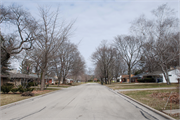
(145, 89)
(174, 111)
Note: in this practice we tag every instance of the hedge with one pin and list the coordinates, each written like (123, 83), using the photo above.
(90, 80)
(6, 88)
(14, 90)
(32, 84)
(147, 80)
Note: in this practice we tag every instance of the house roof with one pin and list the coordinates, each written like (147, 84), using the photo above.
(155, 73)
(139, 75)
(19, 75)
(4, 76)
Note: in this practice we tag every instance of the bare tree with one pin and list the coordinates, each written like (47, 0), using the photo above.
(160, 37)
(5, 14)
(52, 35)
(23, 35)
(119, 66)
(99, 72)
(68, 61)
(103, 59)
(67, 56)
(57, 66)
(129, 48)
(78, 67)
(26, 64)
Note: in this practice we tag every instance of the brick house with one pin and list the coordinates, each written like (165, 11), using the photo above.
(125, 78)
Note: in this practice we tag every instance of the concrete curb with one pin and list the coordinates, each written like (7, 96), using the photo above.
(150, 108)
(25, 100)
(146, 89)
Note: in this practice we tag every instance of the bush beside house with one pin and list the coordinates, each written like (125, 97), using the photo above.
(6, 88)
(146, 80)
(14, 90)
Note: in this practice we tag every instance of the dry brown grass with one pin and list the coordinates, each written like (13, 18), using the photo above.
(116, 86)
(155, 99)
(10, 97)
(66, 85)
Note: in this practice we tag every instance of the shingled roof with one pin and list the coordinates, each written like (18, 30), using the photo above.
(19, 75)
(155, 73)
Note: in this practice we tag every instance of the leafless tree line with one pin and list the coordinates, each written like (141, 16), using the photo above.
(46, 42)
(153, 44)
(108, 62)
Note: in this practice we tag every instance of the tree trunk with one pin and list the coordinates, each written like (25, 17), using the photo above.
(101, 81)
(168, 81)
(129, 73)
(105, 80)
(64, 80)
(59, 80)
(166, 76)
(108, 76)
(42, 81)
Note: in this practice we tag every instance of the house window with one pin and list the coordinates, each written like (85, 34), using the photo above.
(170, 75)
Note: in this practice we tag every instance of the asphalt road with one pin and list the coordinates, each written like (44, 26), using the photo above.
(84, 102)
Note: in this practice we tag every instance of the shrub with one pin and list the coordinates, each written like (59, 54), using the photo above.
(14, 90)
(140, 80)
(26, 91)
(147, 80)
(90, 80)
(52, 84)
(29, 89)
(9, 84)
(32, 84)
(160, 80)
(56, 83)
(21, 89)
(69, 84)
(6, 88)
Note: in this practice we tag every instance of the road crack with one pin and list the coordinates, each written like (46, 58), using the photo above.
(30, 114)
(68, 103)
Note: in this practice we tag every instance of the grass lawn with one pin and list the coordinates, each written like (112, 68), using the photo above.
(63, 86)
(10, 97)
(116, 86)
(66, 85)
(156, 99)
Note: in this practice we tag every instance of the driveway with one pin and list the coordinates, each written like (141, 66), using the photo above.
(84, 102)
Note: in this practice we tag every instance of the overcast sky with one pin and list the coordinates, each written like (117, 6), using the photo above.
(97, 20)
